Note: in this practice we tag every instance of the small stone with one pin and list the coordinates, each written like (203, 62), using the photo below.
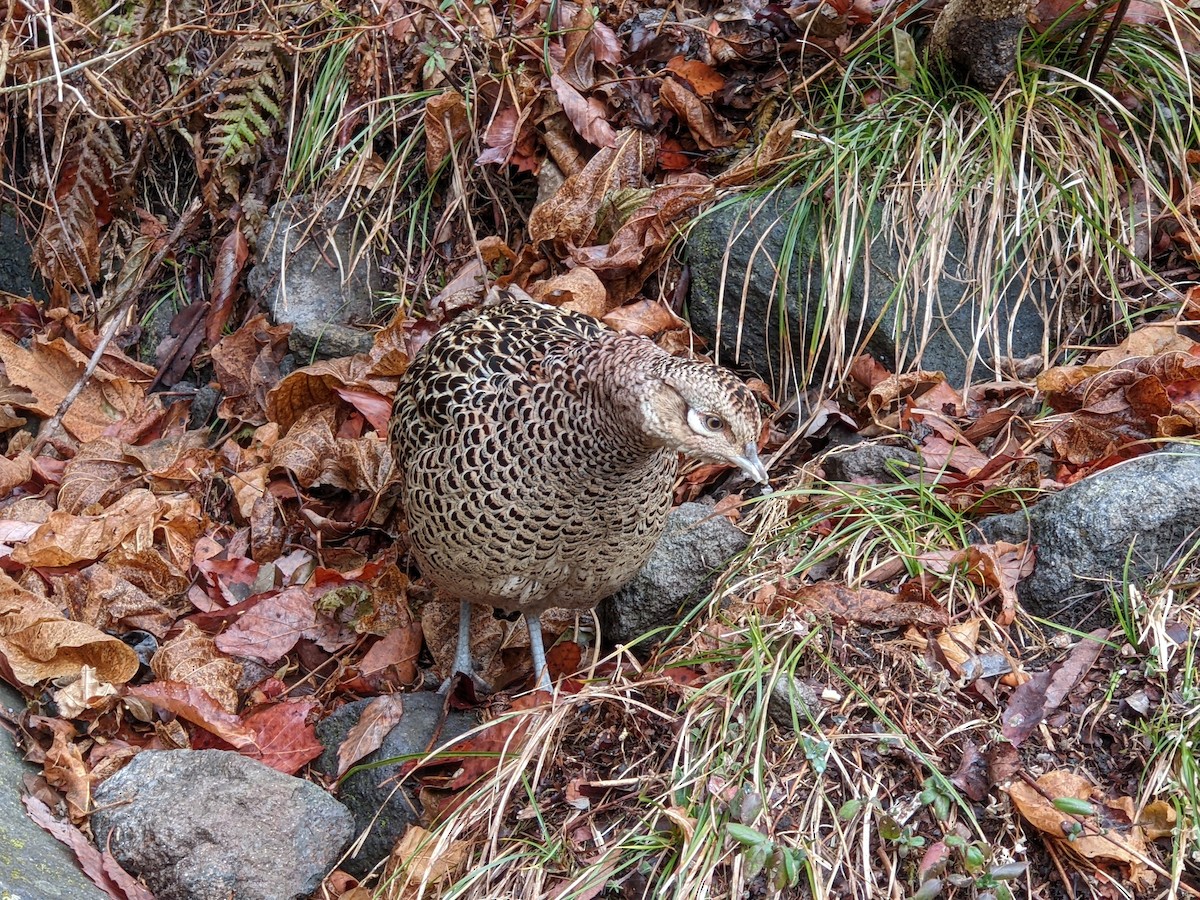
(792, 697)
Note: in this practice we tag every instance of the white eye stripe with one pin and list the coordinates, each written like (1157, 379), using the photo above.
(707, 424)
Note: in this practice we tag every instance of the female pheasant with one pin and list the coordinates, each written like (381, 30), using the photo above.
(537, 451)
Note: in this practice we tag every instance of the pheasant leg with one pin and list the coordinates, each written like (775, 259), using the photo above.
(462, 653)
(538, 651)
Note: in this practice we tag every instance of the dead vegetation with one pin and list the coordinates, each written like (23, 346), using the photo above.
(563, 149)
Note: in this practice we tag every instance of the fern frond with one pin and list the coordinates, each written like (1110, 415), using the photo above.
(250, 88)
(67, 251)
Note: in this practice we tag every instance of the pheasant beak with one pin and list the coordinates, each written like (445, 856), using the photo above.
(751, 464)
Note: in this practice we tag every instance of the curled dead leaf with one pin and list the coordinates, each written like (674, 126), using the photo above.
(38, 643)
(191, 657)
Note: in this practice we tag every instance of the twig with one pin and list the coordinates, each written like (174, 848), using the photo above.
(1105, 43)
(52, 425)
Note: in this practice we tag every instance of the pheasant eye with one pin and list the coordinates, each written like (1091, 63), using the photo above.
(705, 423)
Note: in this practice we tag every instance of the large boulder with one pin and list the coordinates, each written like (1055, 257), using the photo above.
(747, 253)
(212, 824)
(1132, 520)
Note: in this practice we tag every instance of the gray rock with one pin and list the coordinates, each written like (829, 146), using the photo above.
(870, 461)
(1146, 510)
(740, 249)
(315, 274)
(33, 865)
(370, 794)
(793, 702)
(17, 275)
(694, 548)
(212, 824)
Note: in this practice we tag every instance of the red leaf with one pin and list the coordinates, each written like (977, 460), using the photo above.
(376, 408)
(101, 868)
(196, 706)
(231, 259)
(284, 739)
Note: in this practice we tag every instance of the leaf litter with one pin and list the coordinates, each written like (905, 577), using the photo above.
(268, 545)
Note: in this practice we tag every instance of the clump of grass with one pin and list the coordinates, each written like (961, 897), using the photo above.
(718, 769)
(1055, 186)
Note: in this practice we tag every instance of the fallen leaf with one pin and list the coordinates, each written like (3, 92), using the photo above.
(284, 739)
(196, 706)
(1096, 841)
(870, 607)
(227, 273)
(999, 566)
(421, 860)
(38, 643)
(701, 77)
(49, 372)
(578, 290)
(570, 215)
(191, 657)
(270, 628)
(91, 860)
(706, 129)
(65, 539)
(587, 114)
(445, 126)
(64, 769)
(1031, 702)
(379, 717)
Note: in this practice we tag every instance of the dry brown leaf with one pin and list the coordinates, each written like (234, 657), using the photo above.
(191, 657)
(703, 78)
(315, 457)
(378, 718)
(247, 366)
(105, 599)
(1098, 843)
(64, 769)
(587, 114)
(419, 859)
(50, 370)
(578, 290)
(1148, 340)
(644, 317)
(870, 607)
(65, 539)
(773, 149)
(348, 380)
(445, 125)
(570, 215)
(958, 643)
(39, 643)
(270, 628)
(637, 247)
(702, 123)
(15, 472)
(192, 704)
(999, 566)
(85, 696)
(392, 660)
